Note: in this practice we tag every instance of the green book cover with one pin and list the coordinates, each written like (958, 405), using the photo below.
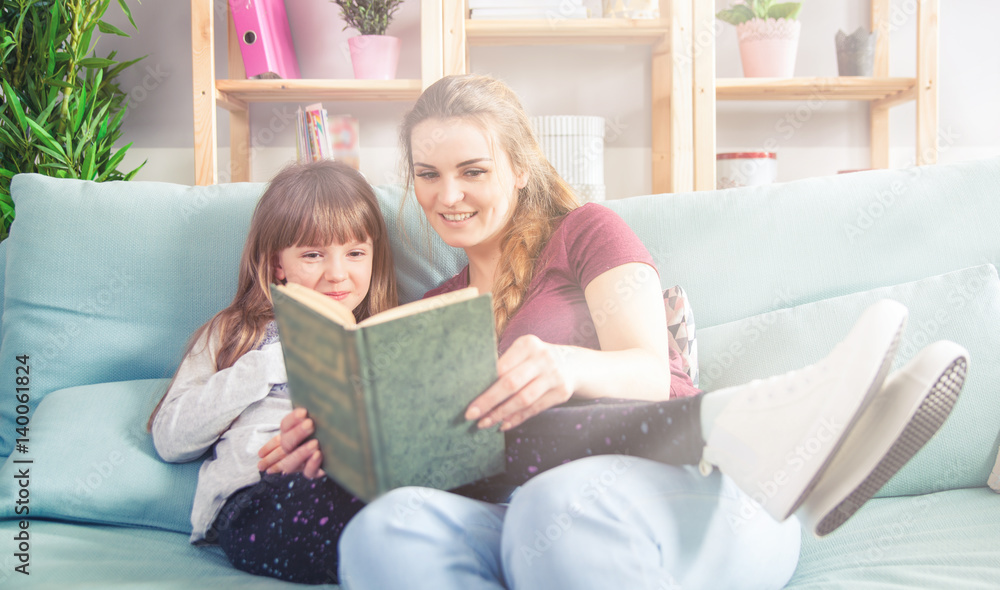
(388, 395)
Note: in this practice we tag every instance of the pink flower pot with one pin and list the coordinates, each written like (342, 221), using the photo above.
(374, 57)
(768, 47)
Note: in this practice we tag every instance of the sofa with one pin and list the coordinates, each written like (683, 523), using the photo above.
(103, 284)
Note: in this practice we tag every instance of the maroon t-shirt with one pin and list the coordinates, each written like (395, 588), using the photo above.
(589, 241)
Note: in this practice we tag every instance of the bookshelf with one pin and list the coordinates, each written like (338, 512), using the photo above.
(684, 88)
(235, 93)
(881, 91)
(671, 109)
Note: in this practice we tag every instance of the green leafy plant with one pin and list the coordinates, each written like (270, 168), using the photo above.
(60, 108)
(738, 14)
(369, 17)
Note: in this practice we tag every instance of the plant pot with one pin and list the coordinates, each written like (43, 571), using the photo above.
(768, 47)
(856, 52)
(374, 57)
(735, 169)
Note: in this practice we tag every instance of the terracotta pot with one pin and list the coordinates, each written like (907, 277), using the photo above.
(768, 47)
(374, 57)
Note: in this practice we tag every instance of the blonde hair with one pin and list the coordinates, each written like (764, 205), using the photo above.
(311, 204)
(493, 107)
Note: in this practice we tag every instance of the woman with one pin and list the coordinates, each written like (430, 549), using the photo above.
(556, 271)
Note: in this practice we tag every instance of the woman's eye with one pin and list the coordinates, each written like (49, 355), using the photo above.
(475, 172)
(427, 175)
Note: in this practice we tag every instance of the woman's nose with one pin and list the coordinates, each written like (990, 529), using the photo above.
(451, 193)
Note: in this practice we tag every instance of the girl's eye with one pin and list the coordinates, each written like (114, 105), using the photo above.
(311, 255)
(357, 253)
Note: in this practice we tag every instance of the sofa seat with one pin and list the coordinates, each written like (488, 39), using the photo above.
(906, 542)
(107, 557)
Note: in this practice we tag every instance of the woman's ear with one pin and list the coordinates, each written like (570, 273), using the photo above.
(520, 180)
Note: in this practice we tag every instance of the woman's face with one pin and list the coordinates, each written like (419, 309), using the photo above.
(466, 191)
(342, 272)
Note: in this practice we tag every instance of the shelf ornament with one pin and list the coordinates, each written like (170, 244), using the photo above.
(768, 34)
(374, 55)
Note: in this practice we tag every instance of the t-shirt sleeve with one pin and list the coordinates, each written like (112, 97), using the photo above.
(597, 239)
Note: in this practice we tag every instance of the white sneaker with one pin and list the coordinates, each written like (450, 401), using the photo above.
(904, 415)
(775, 438)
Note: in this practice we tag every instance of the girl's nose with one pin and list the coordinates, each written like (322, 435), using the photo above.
(335, 271)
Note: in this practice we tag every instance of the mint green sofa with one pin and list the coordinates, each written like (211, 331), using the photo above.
(102, 285)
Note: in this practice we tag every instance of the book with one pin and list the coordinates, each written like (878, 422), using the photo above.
(388, 395)
(344, 136)
(312, 134)
(265, 39)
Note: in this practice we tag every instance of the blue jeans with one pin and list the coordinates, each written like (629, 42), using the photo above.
(608, 521)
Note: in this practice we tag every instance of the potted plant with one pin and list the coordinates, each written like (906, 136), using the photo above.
(768, 34)
(61, 109)
(374, 54)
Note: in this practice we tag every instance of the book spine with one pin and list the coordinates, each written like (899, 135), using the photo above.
(370, 421)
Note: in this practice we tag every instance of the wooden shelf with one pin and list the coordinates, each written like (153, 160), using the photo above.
(482, 32)
(317, 90)
(842, 88)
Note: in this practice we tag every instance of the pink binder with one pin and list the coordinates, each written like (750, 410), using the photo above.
(265, 38)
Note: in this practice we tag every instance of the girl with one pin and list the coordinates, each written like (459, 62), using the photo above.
(316, 225)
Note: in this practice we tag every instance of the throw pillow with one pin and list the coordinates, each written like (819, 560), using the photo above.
(680, 324)
(93, 461)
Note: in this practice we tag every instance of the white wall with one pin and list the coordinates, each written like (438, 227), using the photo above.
(610, 81)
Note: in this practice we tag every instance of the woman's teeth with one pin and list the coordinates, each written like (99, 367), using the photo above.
(457, 216)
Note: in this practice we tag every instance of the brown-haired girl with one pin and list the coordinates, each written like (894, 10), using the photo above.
(316, 225)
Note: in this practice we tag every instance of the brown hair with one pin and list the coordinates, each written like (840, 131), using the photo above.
(311, 204)
(493, 107)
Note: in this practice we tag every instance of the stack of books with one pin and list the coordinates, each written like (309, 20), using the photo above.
(575, 147)
(319, 136)
(527, 9)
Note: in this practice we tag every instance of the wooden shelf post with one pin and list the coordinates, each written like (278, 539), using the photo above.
(203, 73)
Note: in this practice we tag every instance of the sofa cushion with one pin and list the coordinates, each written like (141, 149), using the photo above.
(106, 282)
(93, 461)
(950, 539)
(962, 306)
(746, 251)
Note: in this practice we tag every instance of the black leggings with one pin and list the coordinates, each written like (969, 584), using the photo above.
(287, 526)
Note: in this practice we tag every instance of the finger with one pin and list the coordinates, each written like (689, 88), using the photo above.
(547, 401)
(506, 384)
(312, 469)
(296, 459)
(270, 459)
(269, 446)
(297, 435)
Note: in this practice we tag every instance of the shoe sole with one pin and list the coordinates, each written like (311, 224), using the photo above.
(930, 415)
(873, 388)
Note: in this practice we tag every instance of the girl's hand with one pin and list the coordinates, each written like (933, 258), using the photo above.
(532, 376)
(292, 450)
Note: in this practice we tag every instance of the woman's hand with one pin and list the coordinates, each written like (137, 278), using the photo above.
(292, 450)
(532, 376)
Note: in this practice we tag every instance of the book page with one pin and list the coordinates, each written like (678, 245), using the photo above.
(420, 305)
(320, 303)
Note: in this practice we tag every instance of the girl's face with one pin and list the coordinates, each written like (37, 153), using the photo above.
(467, 192)
(340, 271)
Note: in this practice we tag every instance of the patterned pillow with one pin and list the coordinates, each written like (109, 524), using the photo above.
(680, 323)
